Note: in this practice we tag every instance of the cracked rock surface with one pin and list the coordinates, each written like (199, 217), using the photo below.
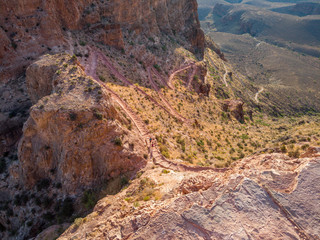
(269, 196)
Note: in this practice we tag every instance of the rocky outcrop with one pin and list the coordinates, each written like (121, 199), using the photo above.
(199, 81)
(29, 29)
(262, 197)
(39, 79)
(312, 152)
(75, 136)
(235, 107)
(213, 46)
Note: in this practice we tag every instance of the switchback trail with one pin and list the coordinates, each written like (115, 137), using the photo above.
(155, 72)
(257, 94)
(116, 73)
(191, 76)
(166, 103)
(238, 77)
(172, 75)
(225, 75)
(158, 158)
(91, 71)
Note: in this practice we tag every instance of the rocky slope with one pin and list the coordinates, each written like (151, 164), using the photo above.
(75, 136)
(262, 197)
(29, 29)
(79, 135)
(132, 74)
(272, 47)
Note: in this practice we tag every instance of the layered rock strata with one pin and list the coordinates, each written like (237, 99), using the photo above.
(29, 29)
(75, 136)
(262, 197)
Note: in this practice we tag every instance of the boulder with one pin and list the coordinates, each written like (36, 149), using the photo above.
(235, 107)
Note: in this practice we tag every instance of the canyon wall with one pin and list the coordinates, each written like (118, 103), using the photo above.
(30, 28)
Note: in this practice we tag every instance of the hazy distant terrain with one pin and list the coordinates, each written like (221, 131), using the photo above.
(275, 43)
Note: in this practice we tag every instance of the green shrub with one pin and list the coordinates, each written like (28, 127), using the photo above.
(283, 148)
(72, 116)
(124, 181)
(294, 154)
(146, 198)
(89, 199)
(157, 67)
(117, 141)
(164, 151)
(200, 143)
(98, 115)
(244, 136)
(102, 78)
(3, 165)
(83, 43)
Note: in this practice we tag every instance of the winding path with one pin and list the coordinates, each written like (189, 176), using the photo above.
(191, 77)
(155, 72)
(172, 75)
(225, 75)
(163, 99)
(116, 73)
(158, 158)
(257, 94)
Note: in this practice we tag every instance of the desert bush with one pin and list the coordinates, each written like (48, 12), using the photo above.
(72, 116)
(117, 141)
(294, 154)
(102, 78)
(3, 165)
(43, 184)
(89, 199)
(164, 151)
(157, 67)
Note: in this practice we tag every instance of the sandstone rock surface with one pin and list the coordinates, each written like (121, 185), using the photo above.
(243, 203)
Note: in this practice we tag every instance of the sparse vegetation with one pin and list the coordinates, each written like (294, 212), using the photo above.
(117, 141)
(89, 199)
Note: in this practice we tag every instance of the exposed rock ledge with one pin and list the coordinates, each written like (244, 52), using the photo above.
(262, 197)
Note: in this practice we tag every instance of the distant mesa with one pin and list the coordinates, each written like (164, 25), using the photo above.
(300, 9)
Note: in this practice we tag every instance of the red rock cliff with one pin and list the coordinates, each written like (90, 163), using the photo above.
(30, 28)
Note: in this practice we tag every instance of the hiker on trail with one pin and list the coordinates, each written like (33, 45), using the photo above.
(150, 140)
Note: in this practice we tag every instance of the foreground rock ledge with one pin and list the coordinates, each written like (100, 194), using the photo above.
(262, 197)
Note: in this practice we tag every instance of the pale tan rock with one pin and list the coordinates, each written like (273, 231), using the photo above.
(247, 202)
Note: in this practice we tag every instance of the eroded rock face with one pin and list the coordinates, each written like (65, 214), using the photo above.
(199, 82)
(75, 136)
(31, 28)
(235, 107)
(269, 196)
(39, 79)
